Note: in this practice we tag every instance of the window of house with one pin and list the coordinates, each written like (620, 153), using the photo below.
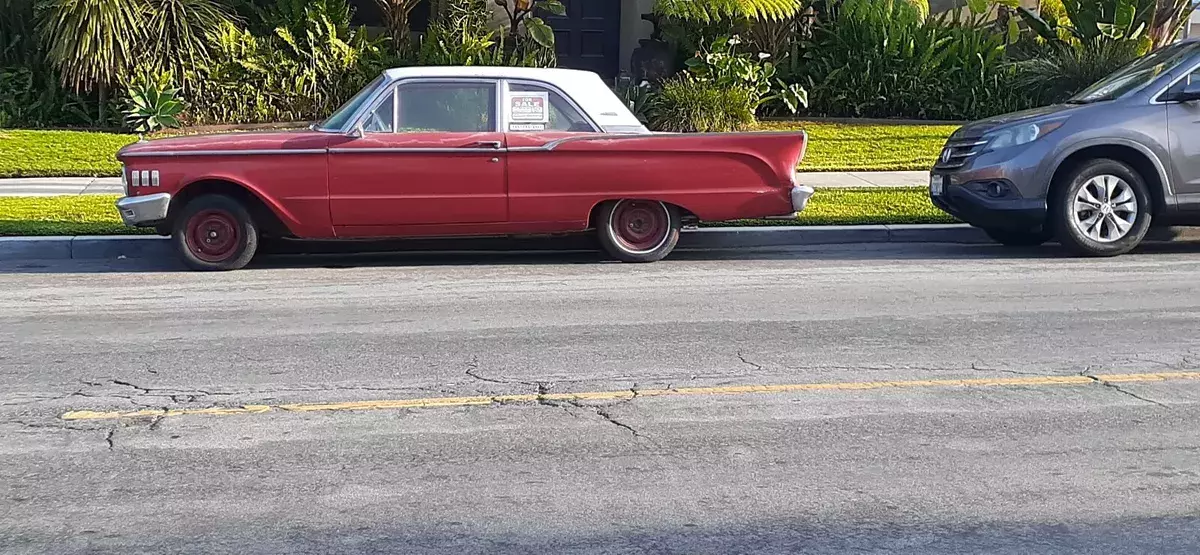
(523, 99)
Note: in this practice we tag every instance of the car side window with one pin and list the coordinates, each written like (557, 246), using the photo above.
(446, 107)
(536, 108)
(383, 118)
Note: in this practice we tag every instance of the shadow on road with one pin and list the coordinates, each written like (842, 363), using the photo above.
(786, 535)
(556, 251)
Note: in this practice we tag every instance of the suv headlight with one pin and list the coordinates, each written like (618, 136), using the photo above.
(1020, 134)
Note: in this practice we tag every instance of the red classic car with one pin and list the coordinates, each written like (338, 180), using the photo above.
(458, 151)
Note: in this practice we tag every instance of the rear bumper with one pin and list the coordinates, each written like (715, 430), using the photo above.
(800, 196)
(144, 210)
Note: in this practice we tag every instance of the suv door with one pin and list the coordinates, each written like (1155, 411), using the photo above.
(430, 152)
(1183, 136)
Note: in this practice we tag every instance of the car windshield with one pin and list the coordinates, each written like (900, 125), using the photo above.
(340, 116)
(1137, 74)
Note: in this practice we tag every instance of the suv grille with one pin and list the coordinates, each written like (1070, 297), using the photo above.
(956, 153)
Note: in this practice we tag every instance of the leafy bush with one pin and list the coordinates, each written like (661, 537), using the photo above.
(153, 103)
(686, 104)
(464, 35)
(310, 64)
(882, 59)
(638, 98)
(723, 66)
(1062, 69)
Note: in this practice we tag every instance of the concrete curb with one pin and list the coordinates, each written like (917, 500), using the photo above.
(152, 246)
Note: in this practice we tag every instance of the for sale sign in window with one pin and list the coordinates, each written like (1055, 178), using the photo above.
(528, 111)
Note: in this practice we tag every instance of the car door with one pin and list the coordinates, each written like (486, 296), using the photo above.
(1183, 126)
(546, 185)
(428, 152)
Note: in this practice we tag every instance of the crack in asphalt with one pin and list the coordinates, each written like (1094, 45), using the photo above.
(741, 357)
(1119, 389)
(976, 366)
(108, 438)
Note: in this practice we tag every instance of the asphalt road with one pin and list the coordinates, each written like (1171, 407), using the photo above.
(1044, 450)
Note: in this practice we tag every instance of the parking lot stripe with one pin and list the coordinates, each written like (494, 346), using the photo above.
(436, 402)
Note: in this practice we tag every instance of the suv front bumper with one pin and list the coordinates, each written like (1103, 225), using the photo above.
(144, 210)
(1011, 213)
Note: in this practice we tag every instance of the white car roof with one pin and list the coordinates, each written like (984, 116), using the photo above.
(584, 87)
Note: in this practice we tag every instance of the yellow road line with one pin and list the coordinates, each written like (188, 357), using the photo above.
(434, 402)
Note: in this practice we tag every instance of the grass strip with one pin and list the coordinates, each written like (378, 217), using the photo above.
(867, 147)
(96, 215)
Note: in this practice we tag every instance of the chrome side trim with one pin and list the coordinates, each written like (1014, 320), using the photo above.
(254, 152)
(146, 209)
(414, 150)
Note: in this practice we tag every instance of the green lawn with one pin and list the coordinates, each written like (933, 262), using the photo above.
(831, 147)
(867, 147)
(96, 215)
(60, 153)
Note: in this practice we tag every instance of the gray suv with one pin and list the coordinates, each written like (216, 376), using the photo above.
(1094, 173)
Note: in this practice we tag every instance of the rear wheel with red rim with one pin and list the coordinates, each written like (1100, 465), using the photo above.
(638, 230)
(215, 232)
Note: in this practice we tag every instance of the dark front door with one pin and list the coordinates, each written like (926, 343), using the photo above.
(588, 36)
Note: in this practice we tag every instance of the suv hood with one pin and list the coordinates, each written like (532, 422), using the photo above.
(978, 128)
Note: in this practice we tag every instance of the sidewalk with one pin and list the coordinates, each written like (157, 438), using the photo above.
(51, 186)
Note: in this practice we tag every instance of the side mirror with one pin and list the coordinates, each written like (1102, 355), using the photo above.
(356, 132)
(1188, 91)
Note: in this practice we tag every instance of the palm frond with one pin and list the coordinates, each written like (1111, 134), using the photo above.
(707, 11)
(91, 42)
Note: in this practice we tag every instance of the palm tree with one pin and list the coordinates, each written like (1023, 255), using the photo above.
(176, 32)
(91, 42)
(395, 16)
(707, 11)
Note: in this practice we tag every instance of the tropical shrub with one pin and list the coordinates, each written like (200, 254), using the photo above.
(726, 68)
(91, 43)
(153, 103)
(687, 104)
(463, 34)
(176, 34)
(1061, 69)
(882, 59)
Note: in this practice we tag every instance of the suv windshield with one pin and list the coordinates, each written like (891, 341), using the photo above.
(338, 119)
(1137, 73)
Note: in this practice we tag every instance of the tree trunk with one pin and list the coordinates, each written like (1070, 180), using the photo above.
(103, 94)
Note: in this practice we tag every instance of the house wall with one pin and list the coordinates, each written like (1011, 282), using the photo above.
(633, 27)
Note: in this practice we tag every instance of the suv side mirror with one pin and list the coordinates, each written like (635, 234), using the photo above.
(1186, 91)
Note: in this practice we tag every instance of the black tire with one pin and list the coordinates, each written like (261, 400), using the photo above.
(220, 219)
(1067, 222)
(638, 230)
(1011, 238)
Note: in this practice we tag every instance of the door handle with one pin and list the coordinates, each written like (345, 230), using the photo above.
(491, 144)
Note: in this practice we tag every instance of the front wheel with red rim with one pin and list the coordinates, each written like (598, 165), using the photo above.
(215, 232)
(638, 230)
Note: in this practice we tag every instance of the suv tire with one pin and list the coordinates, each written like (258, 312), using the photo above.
(1102, 208)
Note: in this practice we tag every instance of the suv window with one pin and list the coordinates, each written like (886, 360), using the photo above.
(562, 115)
(446, 107)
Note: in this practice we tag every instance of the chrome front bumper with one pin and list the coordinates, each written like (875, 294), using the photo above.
(800, 196)
(144, 210)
